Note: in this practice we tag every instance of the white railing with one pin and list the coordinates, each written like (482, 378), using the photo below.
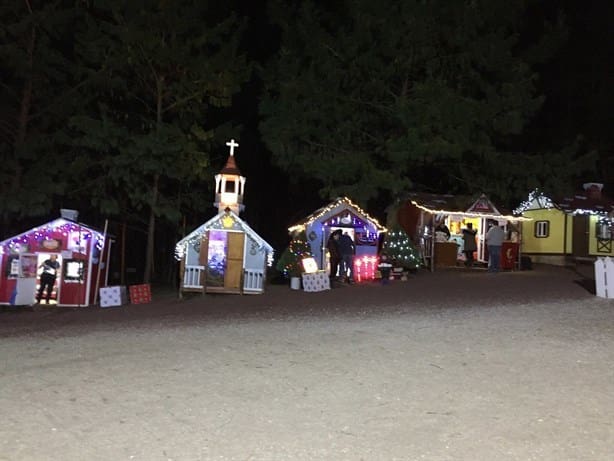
(253, 281)
(191, 276)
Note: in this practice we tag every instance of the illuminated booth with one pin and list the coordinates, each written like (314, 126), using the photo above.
(420, 213)
(83, 255)
(224, 255)
(343, 214)
(564, 229)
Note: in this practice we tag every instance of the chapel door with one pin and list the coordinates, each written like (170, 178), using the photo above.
(234, 268)
(580, 235)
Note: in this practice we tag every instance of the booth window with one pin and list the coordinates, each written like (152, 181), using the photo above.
(12, 267)
(73, 271)
(542, 229)
(604, 230)
(230, 186)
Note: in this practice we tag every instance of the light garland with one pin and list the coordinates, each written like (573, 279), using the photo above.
(469, 215)
(536, 196)
(322, 211)
(59, 226)
(227, 221)
(399, 247)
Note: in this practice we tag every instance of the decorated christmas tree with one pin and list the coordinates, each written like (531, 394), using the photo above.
(399, 247)
(290, 261)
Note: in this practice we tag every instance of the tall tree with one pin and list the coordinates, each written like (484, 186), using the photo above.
(34, 105)
(372, 97)
(166, 69)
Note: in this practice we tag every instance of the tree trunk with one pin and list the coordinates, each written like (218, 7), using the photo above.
(22, 119)
(151, 229)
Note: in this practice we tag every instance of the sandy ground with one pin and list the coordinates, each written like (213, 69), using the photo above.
(455, 365)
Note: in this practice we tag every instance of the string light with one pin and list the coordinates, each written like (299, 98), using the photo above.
(400, 248)
(315, 216)
(47, 232)
(535, 201)
(466, 214)
(224, 221)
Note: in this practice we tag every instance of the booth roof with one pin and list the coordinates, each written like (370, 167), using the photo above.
(462, 205)
(582, 202)
(199, 231)
(332, 208)
(54, 224)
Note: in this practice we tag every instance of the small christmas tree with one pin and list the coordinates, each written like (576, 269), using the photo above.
(290, 261)
(399, 247)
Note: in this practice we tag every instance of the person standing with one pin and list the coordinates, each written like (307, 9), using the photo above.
(334, 252)
(442, 229)
(469, 244)
(50, 269)
(347, 248)
(494, 240)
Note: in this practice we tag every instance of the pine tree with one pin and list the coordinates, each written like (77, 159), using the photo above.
(169, 72)
(290, 261)
(399, 247)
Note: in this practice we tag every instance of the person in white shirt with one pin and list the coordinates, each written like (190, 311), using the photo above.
(494, 240)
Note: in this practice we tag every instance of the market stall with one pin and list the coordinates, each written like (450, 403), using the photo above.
(422, 214)
(82, 253)
(345, 215)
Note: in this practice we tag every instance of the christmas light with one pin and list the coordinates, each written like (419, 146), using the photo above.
(400, 249)
(228, 220)
(469, 214)
(535, 201)
(47, 232)
(327, 209)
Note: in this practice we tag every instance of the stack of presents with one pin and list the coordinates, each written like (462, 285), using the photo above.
(119, 295)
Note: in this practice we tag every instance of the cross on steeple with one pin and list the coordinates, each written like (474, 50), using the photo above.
(232, 144)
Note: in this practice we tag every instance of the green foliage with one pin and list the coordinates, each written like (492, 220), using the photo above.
(289, 262)
(399, 247)
(37, 80)
(372, 97)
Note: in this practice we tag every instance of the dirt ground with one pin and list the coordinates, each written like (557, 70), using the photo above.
(452, 365)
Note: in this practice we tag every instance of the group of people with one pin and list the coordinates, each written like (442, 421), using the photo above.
(494, 241)
(341, 249)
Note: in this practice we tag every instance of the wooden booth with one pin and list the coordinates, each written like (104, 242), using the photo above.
(419, 214)
(224, 255)
(569, 228)
(83, 254)
(343, 214)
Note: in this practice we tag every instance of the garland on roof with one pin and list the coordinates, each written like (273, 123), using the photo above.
(535, 196)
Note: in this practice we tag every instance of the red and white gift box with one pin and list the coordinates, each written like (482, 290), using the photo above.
(140, 294)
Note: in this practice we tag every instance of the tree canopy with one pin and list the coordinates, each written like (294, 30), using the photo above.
(377, 97)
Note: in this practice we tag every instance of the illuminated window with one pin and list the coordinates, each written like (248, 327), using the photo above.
(542, 229)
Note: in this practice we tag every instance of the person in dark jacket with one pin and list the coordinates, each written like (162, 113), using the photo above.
(50, 268)
(469, 244)
(347, 248)
(334, 252)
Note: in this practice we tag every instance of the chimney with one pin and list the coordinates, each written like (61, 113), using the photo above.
(71, 215)
(593, 190)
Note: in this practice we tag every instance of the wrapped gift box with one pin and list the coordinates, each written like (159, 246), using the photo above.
(140, 294)
(317, 281)
(113, 296)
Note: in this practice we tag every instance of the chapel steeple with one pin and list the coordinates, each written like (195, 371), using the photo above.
(229, 184)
